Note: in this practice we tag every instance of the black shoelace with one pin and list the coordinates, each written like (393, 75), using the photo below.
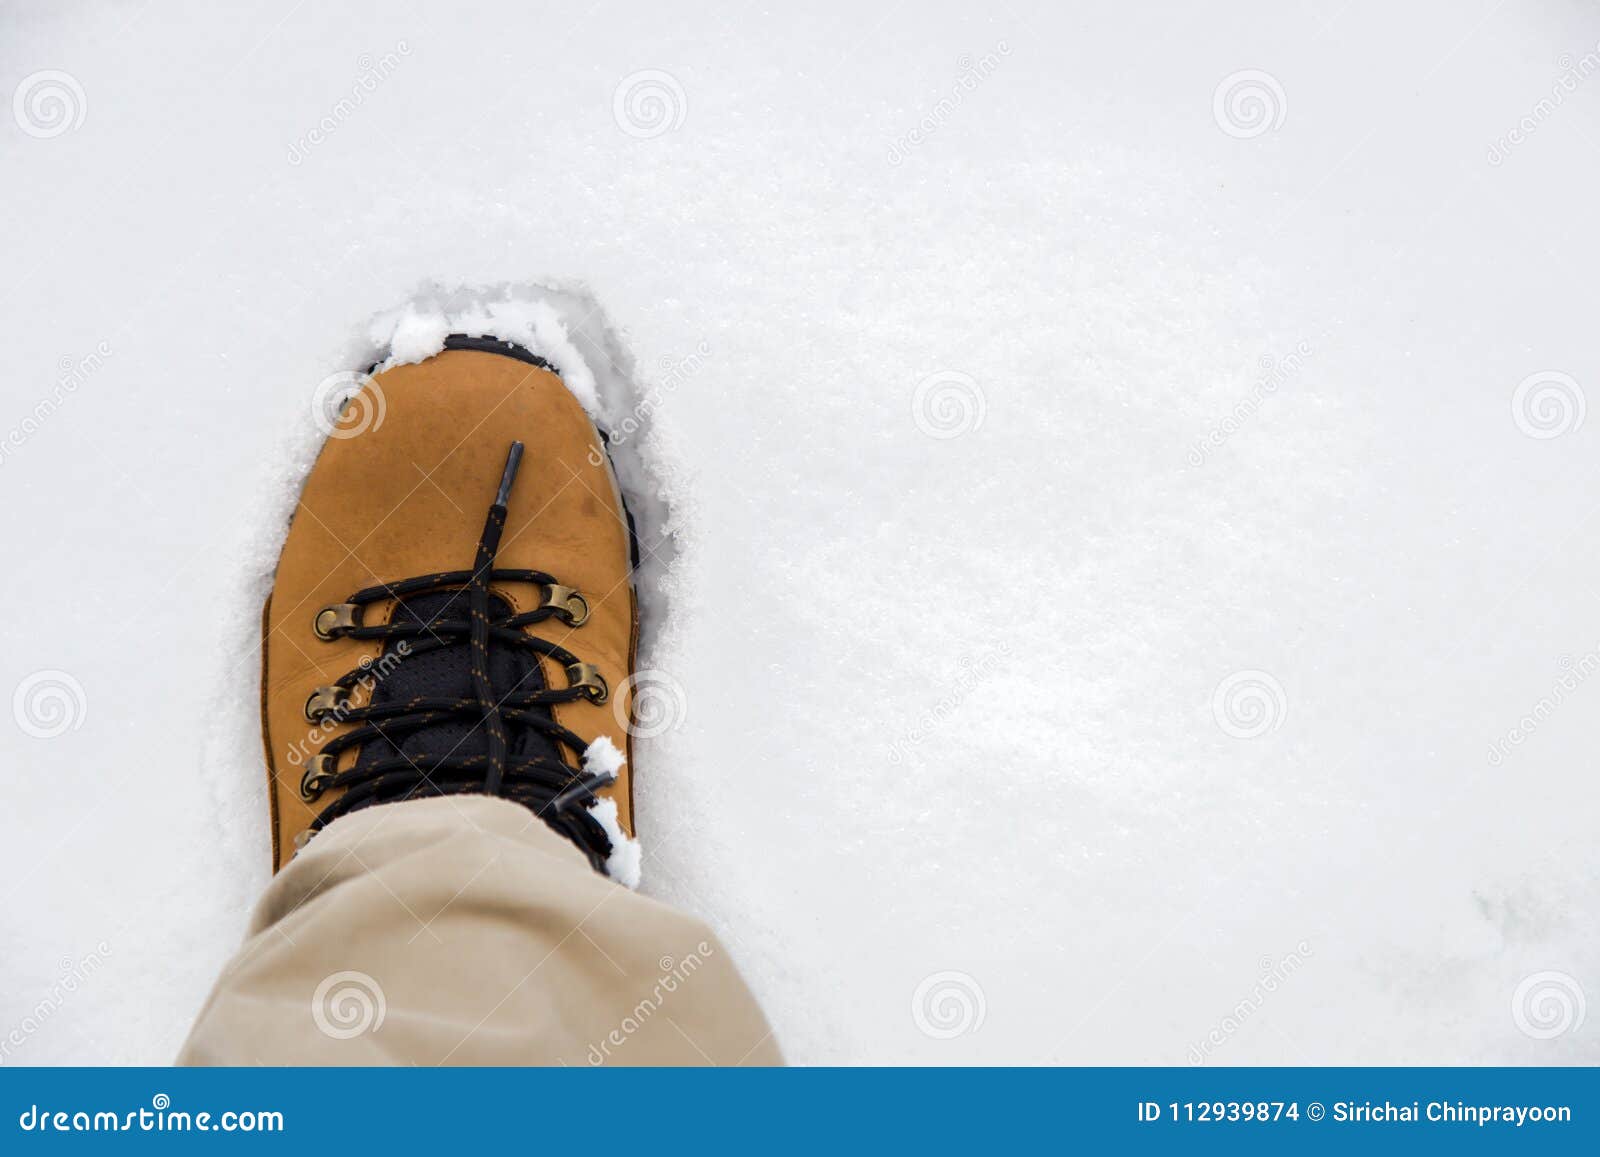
(548, 786)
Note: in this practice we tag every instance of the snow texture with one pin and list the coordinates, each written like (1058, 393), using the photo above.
(625, 862)
(602, 757)
(1118, 495)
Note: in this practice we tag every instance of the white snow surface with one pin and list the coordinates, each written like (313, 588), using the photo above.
(1121, 512)
(531, 316)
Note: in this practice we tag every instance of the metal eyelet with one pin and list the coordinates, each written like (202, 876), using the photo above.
(573, 606)
(324, 701)
(319, 769)
(587, 678)
(340, 617)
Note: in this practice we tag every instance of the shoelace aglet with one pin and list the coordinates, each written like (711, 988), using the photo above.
(502, 497)
(588, 785)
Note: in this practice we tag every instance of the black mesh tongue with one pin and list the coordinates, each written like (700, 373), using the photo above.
(443, 674)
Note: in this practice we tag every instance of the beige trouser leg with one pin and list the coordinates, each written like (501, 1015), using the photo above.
(463, 931)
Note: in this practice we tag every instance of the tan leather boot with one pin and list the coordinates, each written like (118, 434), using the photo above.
(453, 611)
